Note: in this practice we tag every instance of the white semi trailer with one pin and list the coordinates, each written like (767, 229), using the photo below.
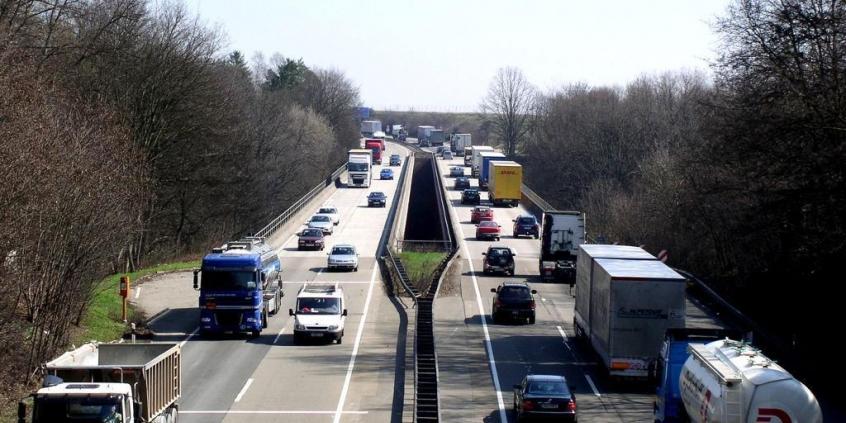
(729, 381)
(359, 167)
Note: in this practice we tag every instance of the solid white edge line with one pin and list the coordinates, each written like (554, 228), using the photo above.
(482, 316)
(266, 412)
(244, 389)
(592, 386)
(278, 335)
(190, 335)
(137, 292)
(345, 389)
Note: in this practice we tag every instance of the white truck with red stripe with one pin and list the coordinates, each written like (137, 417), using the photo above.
(729, 381)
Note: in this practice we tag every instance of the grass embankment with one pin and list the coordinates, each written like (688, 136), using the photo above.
(102, 318)
(420, 266)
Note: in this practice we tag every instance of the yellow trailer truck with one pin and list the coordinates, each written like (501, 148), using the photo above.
(504, 183)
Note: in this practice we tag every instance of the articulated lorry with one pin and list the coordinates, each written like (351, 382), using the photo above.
(468, 156)
(370, 127)
(504, 183)
(424, 132)
(376, 146)
(126, 382)
(485, 169)
(729, 381)
(459, 142)
(631, 305)
(359, 167)
(437, 137)
(561, 234)
(241, 287)
(476, 159)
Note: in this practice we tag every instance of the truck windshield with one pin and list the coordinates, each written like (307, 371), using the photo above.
(228, 280)
(319, 305)
(78, 410)
(357, 167)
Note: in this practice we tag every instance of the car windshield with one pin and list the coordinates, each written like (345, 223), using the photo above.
(387, 171)
(327, 210)
(395, 157)
(499, 252)
(514, 292)
(471, 192)
(547, 387)
(343, 251)
(78, 410)
(526, 220)
(320, 218)
(376, 195)
(319, 305)
(312, 232)
(481, 210)
(228, 280)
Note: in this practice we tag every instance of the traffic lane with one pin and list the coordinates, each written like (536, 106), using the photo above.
(306, 377)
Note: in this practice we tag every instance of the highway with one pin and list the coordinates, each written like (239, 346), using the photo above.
(479, 362)
(269, 379)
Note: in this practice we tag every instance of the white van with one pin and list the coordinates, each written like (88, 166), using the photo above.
(320, 313)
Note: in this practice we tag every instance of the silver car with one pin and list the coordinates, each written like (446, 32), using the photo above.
(456, 171)
(343, 256)
(332, 212)
(322, 222)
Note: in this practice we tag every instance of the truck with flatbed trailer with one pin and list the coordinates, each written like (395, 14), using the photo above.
(115, 382)
(561, 234)
(632, 304)
(505, 183)
(241, 287)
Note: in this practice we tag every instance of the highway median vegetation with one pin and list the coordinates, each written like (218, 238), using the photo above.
(421, 266)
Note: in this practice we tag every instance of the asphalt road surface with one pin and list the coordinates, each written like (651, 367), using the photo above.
(269, 379)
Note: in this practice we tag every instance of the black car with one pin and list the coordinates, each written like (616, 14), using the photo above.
(545, 396)
(395, 160)
(526, 224)
(470, 196)
(499, 259)
(377, 199)
(462, 182)
(513, 300)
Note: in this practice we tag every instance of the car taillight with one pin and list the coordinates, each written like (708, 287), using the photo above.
(533, 304)
(571, 405)
(528, 405)
(498, 303)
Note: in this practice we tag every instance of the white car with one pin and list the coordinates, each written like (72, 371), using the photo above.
(320, 313)
(322, 222)
(332, 212)
(343, 256)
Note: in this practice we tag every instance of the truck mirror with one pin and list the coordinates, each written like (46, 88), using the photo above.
(264, 277)
(517, 386)
(291, 312)
(493, 290)
(484, 254)
(136, 409)
(513, 254)
(534, 291)
(21, 412)
(196, 279)
(344, 313)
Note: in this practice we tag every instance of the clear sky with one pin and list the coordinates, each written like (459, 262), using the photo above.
(441, 55)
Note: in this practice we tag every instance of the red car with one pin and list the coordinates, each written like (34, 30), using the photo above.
(481, 214)
(488, 230)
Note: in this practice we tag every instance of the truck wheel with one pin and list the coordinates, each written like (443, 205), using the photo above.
(264, 319)
(340, 338)
(532, 320)
(255, 333)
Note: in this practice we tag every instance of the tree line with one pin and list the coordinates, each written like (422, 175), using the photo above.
(740, 175)
(128, 135)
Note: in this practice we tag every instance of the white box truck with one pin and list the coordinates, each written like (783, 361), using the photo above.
(632, 304)
(459, 142)
(125, 382)
(477, 158)
(561, 234)
(370, 127)
(359, 167)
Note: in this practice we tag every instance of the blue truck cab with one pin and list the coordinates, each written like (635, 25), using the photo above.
(240, 287)
(668, 405)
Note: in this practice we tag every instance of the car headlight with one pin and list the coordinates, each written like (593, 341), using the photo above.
(332, 327)
(299, 326)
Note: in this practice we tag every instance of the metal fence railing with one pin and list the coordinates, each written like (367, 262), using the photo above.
(283, 218)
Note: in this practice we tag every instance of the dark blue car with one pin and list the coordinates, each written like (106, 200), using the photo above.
(386, 174)
(526, 224)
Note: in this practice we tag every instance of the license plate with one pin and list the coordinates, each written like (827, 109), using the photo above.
(549, 406)
(316, 335)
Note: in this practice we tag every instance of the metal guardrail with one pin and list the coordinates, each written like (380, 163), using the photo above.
(283, 218)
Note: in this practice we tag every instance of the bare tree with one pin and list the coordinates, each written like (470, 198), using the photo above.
(509, 105)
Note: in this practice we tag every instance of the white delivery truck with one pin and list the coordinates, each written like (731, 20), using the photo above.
(458, 142)
(127, 382)
(359, 167)
(729, 381)
(477, 158)
(632, 304)
(561, 234)
(370, 127)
